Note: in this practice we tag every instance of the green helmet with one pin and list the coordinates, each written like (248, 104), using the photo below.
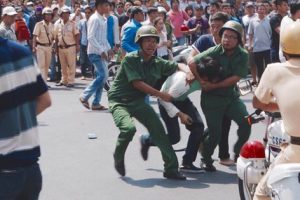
(234, 26)
(146, 31)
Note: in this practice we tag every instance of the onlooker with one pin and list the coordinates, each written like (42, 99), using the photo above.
(275, 20)
(177, 18)
(84, 60)
(250, 14)
(23, 96)
(197, 24)
(162, 46)
(35, 18)
(260, 34)
(162, 12)
(8, 19)
(67, 38)
(99, 53)
(42, 42)
(287, 20)
(152, 14)
(21, 29)
(77, 15)
(130, 30)
(125, 16)
(113, 33)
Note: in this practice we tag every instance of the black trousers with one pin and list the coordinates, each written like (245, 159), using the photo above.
(196, 128)
(262, 59)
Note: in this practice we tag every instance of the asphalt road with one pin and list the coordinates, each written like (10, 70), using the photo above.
(75, 167)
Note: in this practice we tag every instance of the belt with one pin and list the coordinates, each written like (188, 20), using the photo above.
(66, 46)
(41, 44)
(295, 140)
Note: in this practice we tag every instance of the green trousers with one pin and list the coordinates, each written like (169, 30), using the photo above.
(144, 113)
(235, 109)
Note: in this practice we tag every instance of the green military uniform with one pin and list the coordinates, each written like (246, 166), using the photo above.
(224, 101)
(126, 102)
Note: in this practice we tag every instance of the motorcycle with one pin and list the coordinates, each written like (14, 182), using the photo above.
(255, 158)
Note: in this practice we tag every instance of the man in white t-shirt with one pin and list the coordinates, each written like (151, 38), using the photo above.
(277, 90)
(287, 20)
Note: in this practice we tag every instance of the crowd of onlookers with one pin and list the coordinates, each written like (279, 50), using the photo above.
(178, 22)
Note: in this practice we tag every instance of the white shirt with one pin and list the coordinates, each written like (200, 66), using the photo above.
(286, 20)
(162, 50)
(97, 34)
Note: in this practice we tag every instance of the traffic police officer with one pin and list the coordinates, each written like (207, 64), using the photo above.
(221, 98)
(42, 41)
(67, 41)
(139, 72)
(281, 81)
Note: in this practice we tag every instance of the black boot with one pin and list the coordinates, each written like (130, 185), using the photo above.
(119, 166)
(174, 175)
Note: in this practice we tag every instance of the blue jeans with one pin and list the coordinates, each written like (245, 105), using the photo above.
(181, 41)
(84, 60)
(21, 183)
(96, 86)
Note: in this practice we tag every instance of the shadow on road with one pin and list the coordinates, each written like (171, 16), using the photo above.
(166, 183)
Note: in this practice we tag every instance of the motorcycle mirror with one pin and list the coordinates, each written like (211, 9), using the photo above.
(244, 87)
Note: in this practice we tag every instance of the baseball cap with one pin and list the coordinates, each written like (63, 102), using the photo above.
(250, 4)
(65, 9)
(9, 10)
(198, 7)
(29, 3)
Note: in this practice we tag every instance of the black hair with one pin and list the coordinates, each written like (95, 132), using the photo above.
(151, 10)
(220, 16)
(215, 4)
(135, 10)
(100, 2)
(294, 7)
(172, 1)
(209, 67)
(279, 2)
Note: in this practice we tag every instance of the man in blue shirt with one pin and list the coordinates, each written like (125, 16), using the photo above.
(137, 16)
(84, 60)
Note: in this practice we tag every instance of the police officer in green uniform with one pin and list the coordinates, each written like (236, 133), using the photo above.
(136, 77)
(221, 98)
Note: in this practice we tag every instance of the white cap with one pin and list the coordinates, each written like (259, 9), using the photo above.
(8, 10)
(54, 6)
(29, 3)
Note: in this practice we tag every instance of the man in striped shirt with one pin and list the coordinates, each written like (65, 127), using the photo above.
(99, 53)
(23, 95)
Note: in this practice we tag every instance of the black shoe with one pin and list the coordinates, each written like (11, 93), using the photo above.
(144, 149)
(190, 168)
(208, 167)
(70, 85)
(175, 175)
(119, 166)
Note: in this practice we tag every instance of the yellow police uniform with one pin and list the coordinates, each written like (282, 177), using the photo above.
(65, 34)
(44, 34)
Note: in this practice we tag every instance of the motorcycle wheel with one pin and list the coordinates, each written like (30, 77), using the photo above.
(112, 72)
(241, 189)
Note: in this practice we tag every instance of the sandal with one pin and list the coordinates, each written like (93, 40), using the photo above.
(84, 103)
(98, 107)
